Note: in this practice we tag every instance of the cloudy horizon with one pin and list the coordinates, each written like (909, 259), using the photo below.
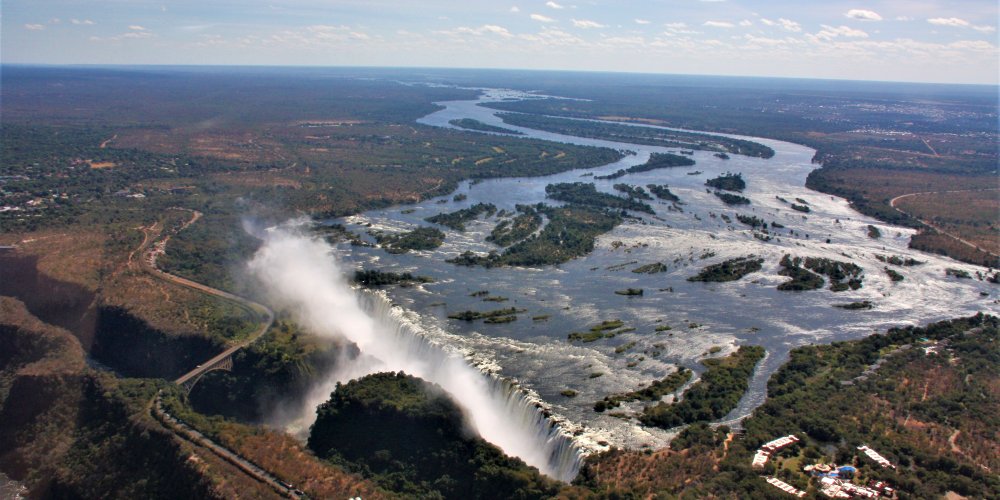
(923, 41)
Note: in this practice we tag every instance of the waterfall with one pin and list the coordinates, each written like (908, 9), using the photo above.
(500, 411)
(302, 275)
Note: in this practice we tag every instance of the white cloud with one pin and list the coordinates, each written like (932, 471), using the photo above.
(34, 27)
(746, 22)
(975, 45)
(553, 5)
(482, 30)
(759, 41)
(863, 15)
(623, 41)
(767, 22)
(136, 34)
(830, 32)
(790, 25)
(554, 37)
(904, 18)
(136, 27)
(515, 9)
(87, 22)
(542, 19)
(718, 24)
(956, 22)
(586, 24)
(641, 21)
(949, 21)
(678, 29)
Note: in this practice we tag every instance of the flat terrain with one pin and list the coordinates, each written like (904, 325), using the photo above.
(102, 163)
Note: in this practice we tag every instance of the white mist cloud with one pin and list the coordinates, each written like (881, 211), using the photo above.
(948, 21)
(586, 24)
(553, 5)
(542, 19)
(302, 275)
(863, 15)
(831, 32)
(790, 25)
(718, 24)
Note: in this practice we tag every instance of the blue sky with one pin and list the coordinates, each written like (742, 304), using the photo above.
(905, 40)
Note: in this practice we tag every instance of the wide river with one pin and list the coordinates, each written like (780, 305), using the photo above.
(578, 294)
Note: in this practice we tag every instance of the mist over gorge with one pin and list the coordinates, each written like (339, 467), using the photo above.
(302, 275)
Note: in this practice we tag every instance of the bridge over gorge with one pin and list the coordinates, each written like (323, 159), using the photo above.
(152, 247)
(149, 250)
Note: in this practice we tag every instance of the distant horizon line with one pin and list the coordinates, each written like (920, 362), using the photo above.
(456, 68)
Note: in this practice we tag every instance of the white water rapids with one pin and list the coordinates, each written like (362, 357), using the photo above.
(302, 275)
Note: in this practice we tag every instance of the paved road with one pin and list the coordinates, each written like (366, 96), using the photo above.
(147, 262)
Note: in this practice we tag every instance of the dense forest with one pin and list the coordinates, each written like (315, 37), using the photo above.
(719, 389)
(412, 439)
(904, 393)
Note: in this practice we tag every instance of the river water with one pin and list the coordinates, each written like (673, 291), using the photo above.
(580, 293)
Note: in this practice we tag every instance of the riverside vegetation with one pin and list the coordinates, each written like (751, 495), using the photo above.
(80, 143)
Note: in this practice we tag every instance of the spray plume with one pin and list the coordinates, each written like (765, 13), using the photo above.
(302, 275)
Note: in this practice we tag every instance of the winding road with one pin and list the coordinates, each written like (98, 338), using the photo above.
(150, 248)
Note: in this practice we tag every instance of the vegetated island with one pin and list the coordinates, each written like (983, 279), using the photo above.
(580, 193)
(653, 392)
(571, 231)
(493, 317)
(897, 260)
(638, 134)
(656, 267)
(456, 220)
(373, 278)
(729, 270)
(473, 124)
(402, 432)
(732, 199)
(801, 278)
(510, 231)
(636, 192)
(663, 192)
(728, 182)
(805, 274)
(604, 330)
(854, 306)
(715, 395)
(422, 238)
(843, 275)
(656, 160)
